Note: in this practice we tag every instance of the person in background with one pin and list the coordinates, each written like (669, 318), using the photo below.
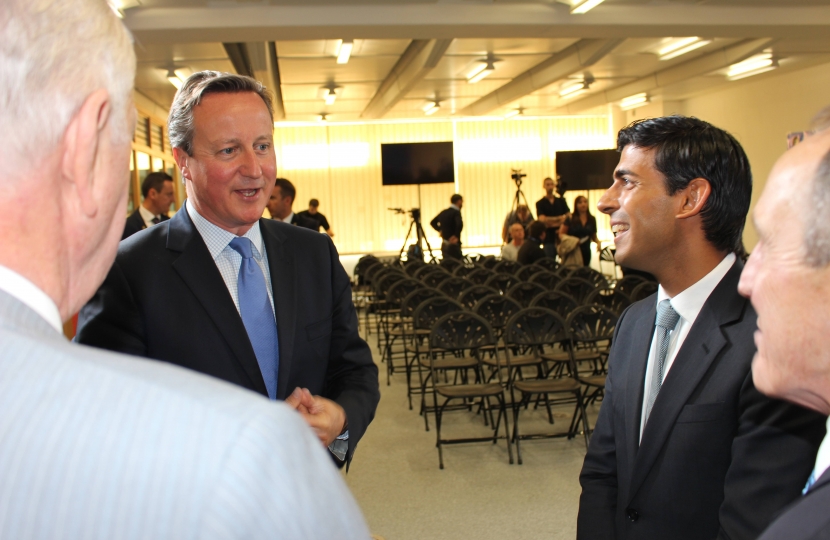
(157, 190)
(313, 214)
(520, 215)
(450, 224)
(583, 226)
(280, 202)
(510, 251)
(97, 445)
(787, 279)
(552, 210)
(531, 250)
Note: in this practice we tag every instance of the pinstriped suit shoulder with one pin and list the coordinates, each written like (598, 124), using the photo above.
(99, 445)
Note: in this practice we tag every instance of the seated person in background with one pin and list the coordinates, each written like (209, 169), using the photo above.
(280, 202)
(531, 250)
(157, 190)
(314, 215)
(520, 215)
(583, 226)
(510, 251)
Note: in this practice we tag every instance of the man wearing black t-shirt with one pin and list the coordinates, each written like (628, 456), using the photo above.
(552, 211)
(313, 214)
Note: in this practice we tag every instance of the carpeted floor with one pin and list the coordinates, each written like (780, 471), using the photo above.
(404, 496)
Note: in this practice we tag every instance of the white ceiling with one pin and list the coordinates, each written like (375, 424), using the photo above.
(189, 35)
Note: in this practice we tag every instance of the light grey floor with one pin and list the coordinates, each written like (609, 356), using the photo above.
(396, 480)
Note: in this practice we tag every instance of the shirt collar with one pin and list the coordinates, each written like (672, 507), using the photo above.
(217, 239)
(27, 292)
(688, 303)
(454, 206)
(288, 218)
(823, 457)
(146, 215)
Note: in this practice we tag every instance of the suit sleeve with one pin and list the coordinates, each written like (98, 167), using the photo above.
(352, 376)
(111, 320)
(436, 222)
(773, 454)
(598, 501)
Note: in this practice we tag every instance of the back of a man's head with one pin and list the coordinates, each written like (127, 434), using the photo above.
(686, 148)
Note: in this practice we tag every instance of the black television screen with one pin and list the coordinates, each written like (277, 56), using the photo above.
(417, 163)
(586, 169)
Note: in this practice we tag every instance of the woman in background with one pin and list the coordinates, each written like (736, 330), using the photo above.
(584, 226)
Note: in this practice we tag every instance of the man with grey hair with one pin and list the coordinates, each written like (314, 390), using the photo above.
(255, 302)
(97, 445)
(787, 279)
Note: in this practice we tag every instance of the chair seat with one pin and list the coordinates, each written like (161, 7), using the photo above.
(450, 363)
(544, 386)
(515, 361)
(593, 380)
(578, 356)
(469, 390)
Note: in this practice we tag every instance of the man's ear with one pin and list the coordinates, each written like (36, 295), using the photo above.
(694, 197)
(81, 146)
(181, 160)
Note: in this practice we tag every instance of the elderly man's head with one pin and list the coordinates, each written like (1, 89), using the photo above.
(221, 129)
(787, 277)
(66, 75)
(517, 234)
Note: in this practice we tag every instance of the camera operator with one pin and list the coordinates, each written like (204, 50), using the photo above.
(552, 211)
(449, 224)
(520, 215)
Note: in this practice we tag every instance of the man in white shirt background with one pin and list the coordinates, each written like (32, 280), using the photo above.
(157, 190)
(510, 251)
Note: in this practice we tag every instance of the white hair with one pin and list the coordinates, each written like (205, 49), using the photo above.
(53, 55)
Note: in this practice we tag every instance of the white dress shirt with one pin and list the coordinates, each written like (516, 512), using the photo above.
(823, 457)
(147, 216)
(27, 292)
(227, 259)
(687, 304)
(288, 218)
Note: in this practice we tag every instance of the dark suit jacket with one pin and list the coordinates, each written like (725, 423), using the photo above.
(164, 298)
(806, 519)
(718, 459)
(136, 223)
(448, 223)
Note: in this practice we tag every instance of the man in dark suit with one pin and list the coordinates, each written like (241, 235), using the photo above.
(449, 223)
(685, 447)
(201, 289)
(786, 278)
(157, 190)
(281, 201)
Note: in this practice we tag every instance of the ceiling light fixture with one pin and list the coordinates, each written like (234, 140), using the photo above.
(329, 93)
(754, 65)
(344, 51)
(174, 79)
(485, 67)
(634, 101)
(322, 117)
(676, 47)
(581, 6)
(515, 112)
(571, 90)
(431, 107)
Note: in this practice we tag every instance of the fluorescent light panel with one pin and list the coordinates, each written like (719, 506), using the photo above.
(572, 90)
(344, 51)
(512, 113)
(331, 95)
(174, 78)
(633, 101)
(755, 65)
(585, 6)
(431, 107)
(480, 73)
(682, 46)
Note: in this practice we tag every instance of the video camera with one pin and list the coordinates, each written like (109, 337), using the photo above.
(517, 176)
(414, 212)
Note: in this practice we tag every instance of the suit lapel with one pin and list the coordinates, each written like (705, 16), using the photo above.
(199, 272)
(635, 382)
(702, 345)
(281, 264)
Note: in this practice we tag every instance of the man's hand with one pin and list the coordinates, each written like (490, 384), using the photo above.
(325, 417)
(453, 240)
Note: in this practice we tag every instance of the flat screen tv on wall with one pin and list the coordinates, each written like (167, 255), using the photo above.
(586, 169)
(417, 163)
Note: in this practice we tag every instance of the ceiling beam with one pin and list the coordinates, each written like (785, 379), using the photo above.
(566, 62)
(238, 55)
(414, 64)
(693, 68)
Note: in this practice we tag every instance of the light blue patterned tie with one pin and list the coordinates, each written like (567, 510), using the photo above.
(810, 482)
(257, 315)
(666, 321)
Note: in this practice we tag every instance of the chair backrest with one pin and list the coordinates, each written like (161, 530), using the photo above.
(401, 289)
(497, 309)
(461, 330)
(427, 269)
(558, 301)
(548, 263)
(524, 292)
(410, 267)
(589, 324)
(471, 296)
(547, 279)
(577, 288)
(454, 286)
(507, 267)
(488, 261)
(372, 271)
(464, 270)
(628, 283)
(613, 299)
(432, 309)
(589, 274)
(363, 265)
(383, 283)
(450, 264)
(480, 275)
(526, 272)
(433, 279)
(535, 327)
(502, 282)
(643, 291)
(414, 299)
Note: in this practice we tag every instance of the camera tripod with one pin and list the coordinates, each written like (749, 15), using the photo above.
(520, 196)
(415, 223)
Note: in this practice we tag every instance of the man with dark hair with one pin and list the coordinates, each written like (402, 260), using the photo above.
(685, 447)
(449, 224)
(314, 215)
(281, 201)
(552, 210)
(255, 302)
(531, 250)
(157, 190)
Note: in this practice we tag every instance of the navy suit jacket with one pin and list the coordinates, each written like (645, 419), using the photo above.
(164, 298)
(136, 223)
(807, 518)
(718, 459)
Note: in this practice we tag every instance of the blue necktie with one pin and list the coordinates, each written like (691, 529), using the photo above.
(257, 315)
